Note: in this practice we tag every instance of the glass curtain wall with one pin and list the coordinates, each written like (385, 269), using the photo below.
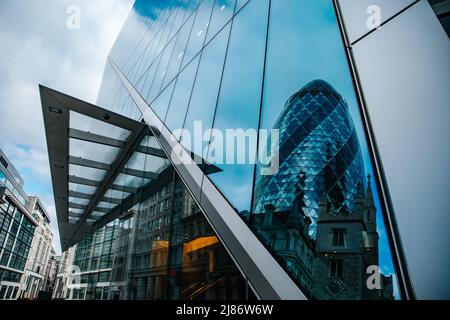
(16, 236)
(160, 247)
(264, 65)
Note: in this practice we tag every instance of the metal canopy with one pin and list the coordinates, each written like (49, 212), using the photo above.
(101, 159)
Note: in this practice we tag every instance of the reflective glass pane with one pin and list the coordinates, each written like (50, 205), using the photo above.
(161, 103)
(222, 12)
(238, 107)
(147, 79)
(206, 88)
(171, 234)
(178, 53)
(78, 201)
(180, 99)
(129, 181)
(76, 211)
(87, 173)
(240, 4)
(160, 228)
(92, 151)
(150, 141)
(320, 211)
(198, 33)
(161, 72)
(116, 194)
(144, 44)
(88, 124)
(105, 205)
(82, 188)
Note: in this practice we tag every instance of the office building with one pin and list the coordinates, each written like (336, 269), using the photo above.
(34, 277)
(326, 104)
(17, 229)
(50, 273)
(64, 270)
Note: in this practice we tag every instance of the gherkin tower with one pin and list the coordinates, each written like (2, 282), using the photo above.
(319, 153)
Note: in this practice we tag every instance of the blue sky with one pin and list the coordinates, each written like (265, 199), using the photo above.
(37, 47)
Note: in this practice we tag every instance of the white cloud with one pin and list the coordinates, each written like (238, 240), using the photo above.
(37, 47)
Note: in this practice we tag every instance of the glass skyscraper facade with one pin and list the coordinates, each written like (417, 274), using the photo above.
(16, 230)
(187, 231)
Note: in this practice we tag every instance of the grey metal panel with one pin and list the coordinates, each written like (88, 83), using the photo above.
(251, 257)
(404, 69)
(355, 13)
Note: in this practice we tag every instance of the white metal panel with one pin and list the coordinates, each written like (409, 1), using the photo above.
(404, 69)
(355, 14)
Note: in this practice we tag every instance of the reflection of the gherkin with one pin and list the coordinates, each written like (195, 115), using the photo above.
(314, 213)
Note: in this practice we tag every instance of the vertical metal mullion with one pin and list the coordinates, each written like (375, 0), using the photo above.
(261, 105)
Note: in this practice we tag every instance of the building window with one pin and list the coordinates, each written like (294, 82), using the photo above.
(336, 269)
(338, 237)
(4, 162)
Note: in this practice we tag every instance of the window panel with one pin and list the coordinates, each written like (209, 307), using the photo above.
(239, 104)
(130, 53)
(88, 124)
(180, 99)
(161, 72)
(165, 33)
(321, 199)
(161, 103)
(143, 47)
(241, 3)
(178, 52)
(82, 188)
(148, 78)
(204, 96)
(222, 12)
(85, 172)
(92, 151)
(199, 30)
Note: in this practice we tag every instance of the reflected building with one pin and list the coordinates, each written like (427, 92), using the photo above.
(64, 269)
(34, 277)
(314, 212)
(166, 250)
(93, 261)
(319, 153)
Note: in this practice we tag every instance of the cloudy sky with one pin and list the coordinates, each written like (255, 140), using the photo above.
(37, 46)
